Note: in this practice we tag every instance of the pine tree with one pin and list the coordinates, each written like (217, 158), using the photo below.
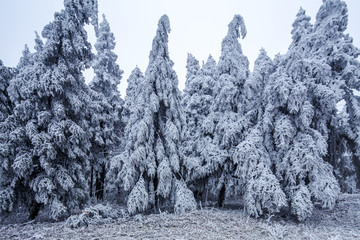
(227, 116)
(337, 51)
(165, 102)
(261, 190)
(193, 69)
(6, 105)
(123, 173)
(151, 160)
(299, 108)
(50, 143)
(106, 107)
(6, 110)
(254, 102)
(257, 184)
(301, 28)
(201, 155)
(12, 194)
(135, 79)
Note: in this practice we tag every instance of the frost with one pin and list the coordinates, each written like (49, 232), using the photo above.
(284, 138)
(301, 205)
(185, 201)
(95, 215)
(138, 199)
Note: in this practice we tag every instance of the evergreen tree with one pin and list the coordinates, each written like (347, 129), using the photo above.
(193, 68)
(261, 190)
(254, 102)
(299, 108)
(259, 187)
(50, 143)
(6, 110)
(12, 194)
(6, 105)
(165, 102)
(201, 155)
(26, 59)
(122, 173)
(227, 110)
(301, 28)
(135, 79)
(337, 51)
(106, 107)
(153, 164)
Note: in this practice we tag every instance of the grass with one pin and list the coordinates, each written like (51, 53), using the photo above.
(343, 222)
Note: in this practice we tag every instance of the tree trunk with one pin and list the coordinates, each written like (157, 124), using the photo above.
(222, 196)
(156, 182)
(99, 184)
(34, 210)
(91, 180)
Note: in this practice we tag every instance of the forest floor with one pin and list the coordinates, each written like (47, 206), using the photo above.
(343, 222)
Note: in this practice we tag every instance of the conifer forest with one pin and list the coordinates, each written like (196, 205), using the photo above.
(281, 141)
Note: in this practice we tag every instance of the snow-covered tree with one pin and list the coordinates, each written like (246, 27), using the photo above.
(257, 184)
(13, 195)
(301, 28)
(151, 160)
(193, 69)
(106, 107)
(122, 174)
(260, 188)
(299, 108)
(6, 110)
(254, 102)
(227, 110)
(6, 105)
(50, 143)
(336, 49)
(135, 79)
(202, 156)
(164, 98)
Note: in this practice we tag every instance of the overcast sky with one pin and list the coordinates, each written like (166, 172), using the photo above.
(198, 27)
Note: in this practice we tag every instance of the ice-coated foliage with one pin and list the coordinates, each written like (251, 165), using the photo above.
(283, 138)
(260, 188)
(254, 102)
(124, 173)
(301, 28)
(49, 142)
(232, 61)
(300, 107)
(301, 205)
(85, 10)
(106, 107)
(5, 104)
(184, 198)
(257, 183)
(151, 162)
(107, 71)
(12, 193)
(227, 109)
(337, 51)
(138, 199)
(95, 215)
(8, 192)
(167, 116)
(26, 59)
(202, 156)
(135, 79)
(192, 67)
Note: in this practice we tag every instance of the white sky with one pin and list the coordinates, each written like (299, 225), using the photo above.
(198, 27)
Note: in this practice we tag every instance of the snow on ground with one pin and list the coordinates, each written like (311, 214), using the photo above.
(341, 223)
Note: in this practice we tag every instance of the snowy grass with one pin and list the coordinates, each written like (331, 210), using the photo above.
(209, 223)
